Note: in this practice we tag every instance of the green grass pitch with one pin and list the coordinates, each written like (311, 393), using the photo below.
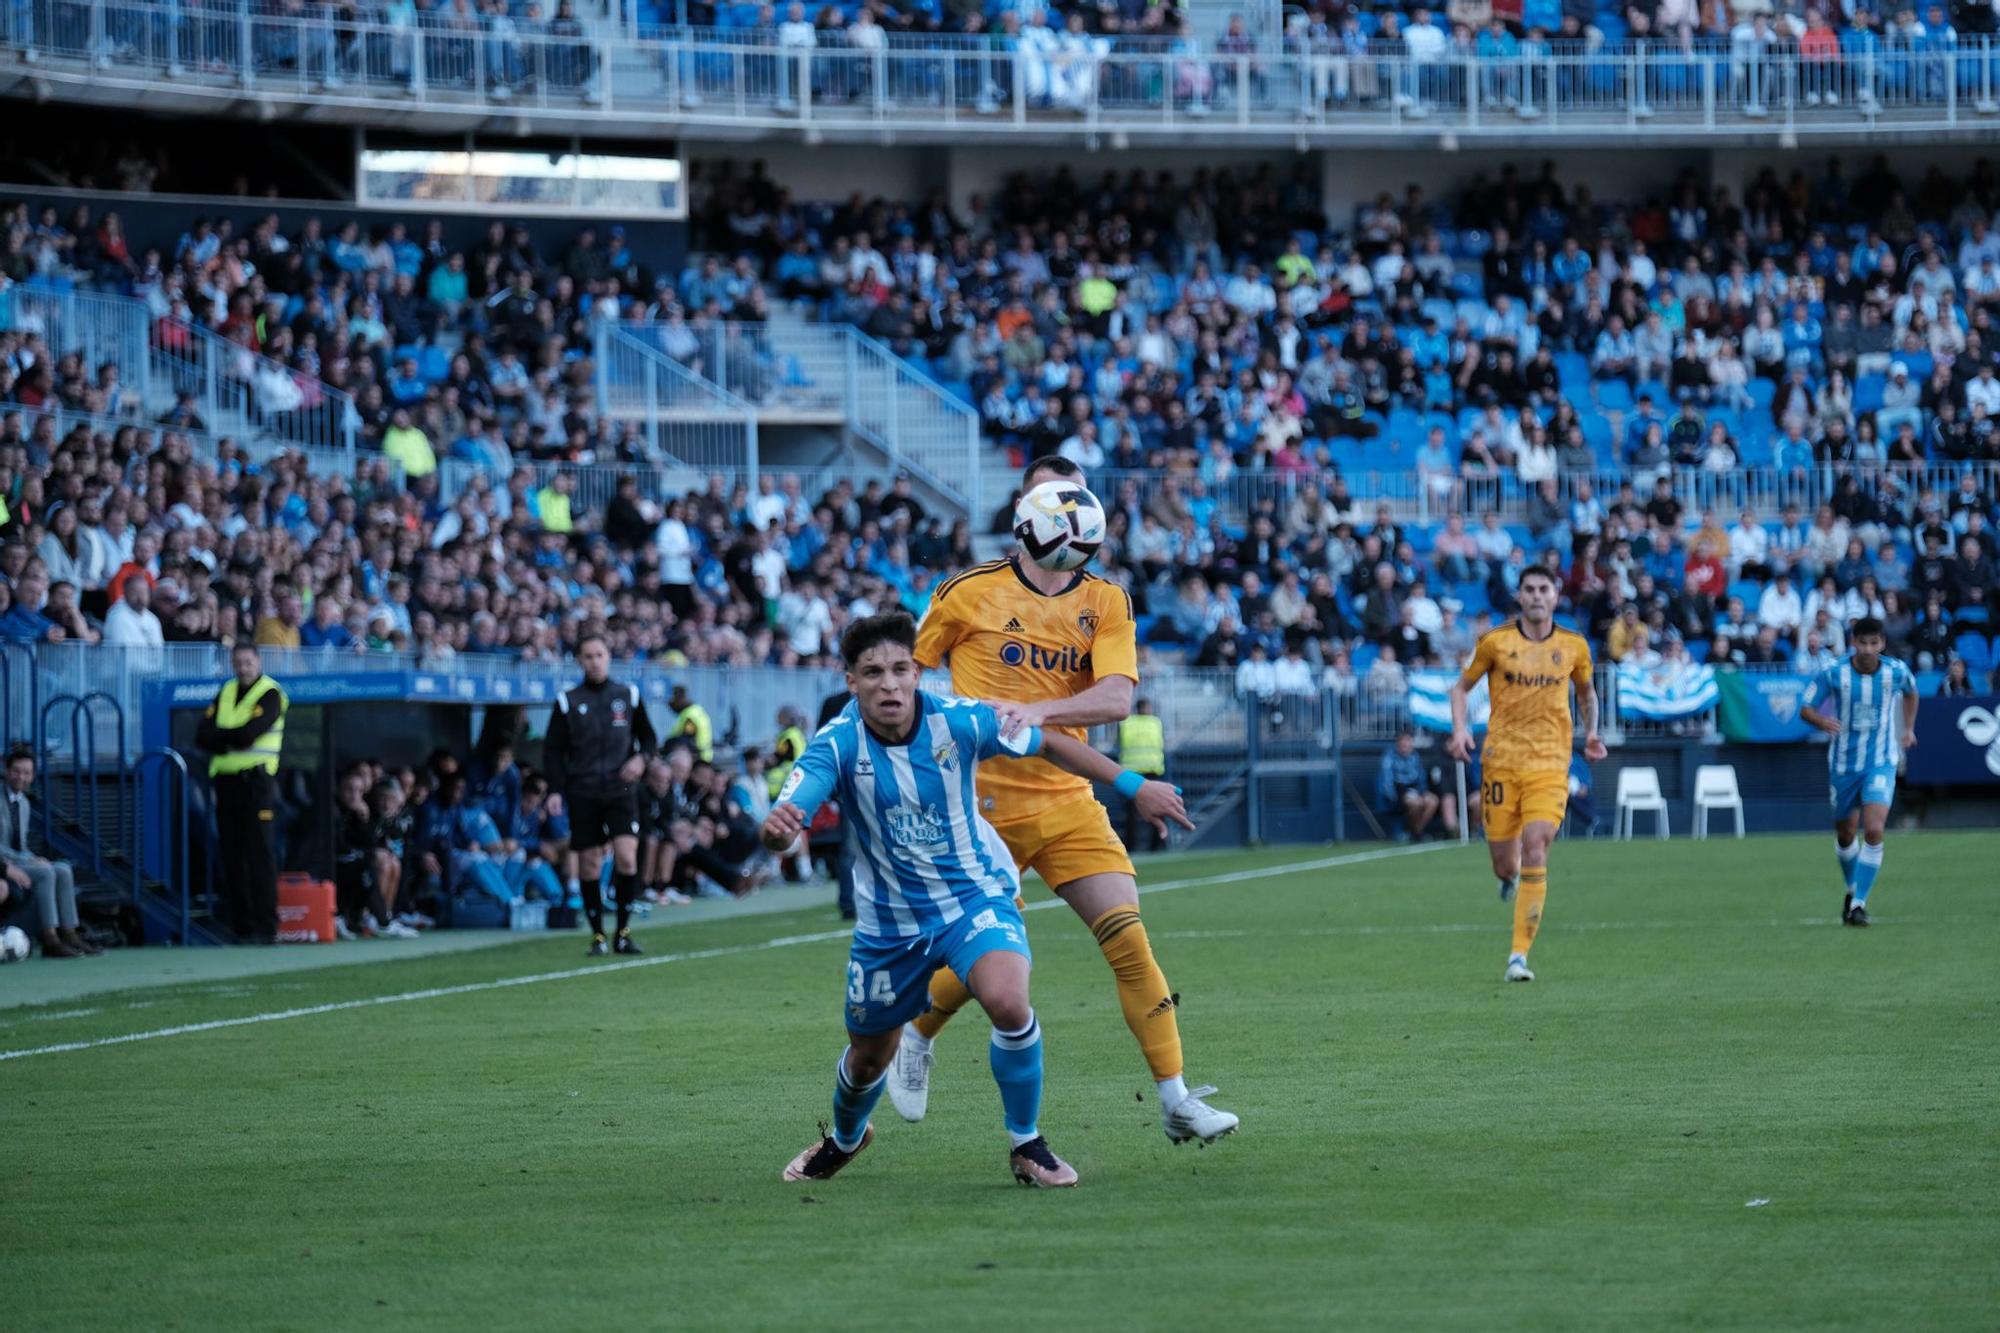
(1423, 1146)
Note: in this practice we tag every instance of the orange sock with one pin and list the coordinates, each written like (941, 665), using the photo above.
(1528, 897)
(1142, 989)
(948, 996)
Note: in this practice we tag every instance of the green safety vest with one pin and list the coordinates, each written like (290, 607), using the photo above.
(692, 722)
(232, 710)
(1142, 744)
(780, 769)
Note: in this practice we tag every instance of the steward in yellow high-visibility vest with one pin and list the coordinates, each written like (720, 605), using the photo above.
(244, 732)
(791, 743)
(691, 723)
(1142, 747)
(1142, 742)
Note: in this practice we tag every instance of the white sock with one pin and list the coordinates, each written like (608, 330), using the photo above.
(1848, 853)
(916, 1040)
(1173, 1091)
(1016, 1140)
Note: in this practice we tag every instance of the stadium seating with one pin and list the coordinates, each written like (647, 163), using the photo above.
(1252, 443)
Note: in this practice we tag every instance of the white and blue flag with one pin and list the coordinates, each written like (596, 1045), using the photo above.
(1869, 707)
(1666, 694)
(924, 856)
(1430, 701)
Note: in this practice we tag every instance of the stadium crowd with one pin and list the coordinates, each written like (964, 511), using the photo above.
(1228, 363)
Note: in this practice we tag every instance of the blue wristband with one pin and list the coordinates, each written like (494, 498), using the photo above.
(1128, 783)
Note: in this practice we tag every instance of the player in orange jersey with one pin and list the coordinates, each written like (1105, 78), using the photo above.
(1529, 664)
(1054, 650)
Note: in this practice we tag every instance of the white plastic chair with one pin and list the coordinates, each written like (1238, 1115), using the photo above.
(1715, 789)
(1639, 792)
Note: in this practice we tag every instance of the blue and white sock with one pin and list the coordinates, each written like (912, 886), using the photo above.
(1016, 1058)
(852, 1106)
(1848, 854)
(1865, 872)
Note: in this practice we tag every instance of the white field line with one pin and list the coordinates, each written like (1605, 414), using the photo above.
(660, 960)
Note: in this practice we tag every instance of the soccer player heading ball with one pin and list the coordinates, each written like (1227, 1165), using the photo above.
(1055, 648)
(933, 884)
(1529, 665)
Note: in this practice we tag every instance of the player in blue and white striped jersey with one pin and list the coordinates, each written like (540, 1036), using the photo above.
(1868, 704)
(934, 885)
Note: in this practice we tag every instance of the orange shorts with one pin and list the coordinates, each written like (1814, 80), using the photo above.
(1509, 802)
(1066, 842)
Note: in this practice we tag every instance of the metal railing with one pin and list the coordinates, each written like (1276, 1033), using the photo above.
(595, 485)
(1239, 495)
(779, 374)
(104, 329)
(192, 53)
(791, 366)
(683, 417)
(236, 390)
(262, 399)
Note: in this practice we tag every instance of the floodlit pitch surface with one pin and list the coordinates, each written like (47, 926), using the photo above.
(1716, 1109)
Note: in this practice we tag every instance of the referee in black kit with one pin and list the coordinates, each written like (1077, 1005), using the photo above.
(595, 751)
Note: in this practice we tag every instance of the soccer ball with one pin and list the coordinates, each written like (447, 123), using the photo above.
(1059, 524)
(13, 944)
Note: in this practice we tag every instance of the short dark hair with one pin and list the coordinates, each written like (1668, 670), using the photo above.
(1055, 463)
(1541, 572)
(873, 631)
(16, 753)
(592, 636)
(1869, 625)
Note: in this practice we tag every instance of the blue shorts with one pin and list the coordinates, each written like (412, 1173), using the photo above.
(888, 980)
(1871, 786)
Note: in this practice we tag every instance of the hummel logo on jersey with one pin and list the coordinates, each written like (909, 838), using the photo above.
(1013, 626)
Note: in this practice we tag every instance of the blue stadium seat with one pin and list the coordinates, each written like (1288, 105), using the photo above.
(1613, 396)
(1868, 393)
(1928, 682)
(1976, 650)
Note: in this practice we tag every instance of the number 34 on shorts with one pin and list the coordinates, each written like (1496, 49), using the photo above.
(1509, 802)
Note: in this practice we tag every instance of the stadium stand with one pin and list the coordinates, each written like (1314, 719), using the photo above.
(1671, 400)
